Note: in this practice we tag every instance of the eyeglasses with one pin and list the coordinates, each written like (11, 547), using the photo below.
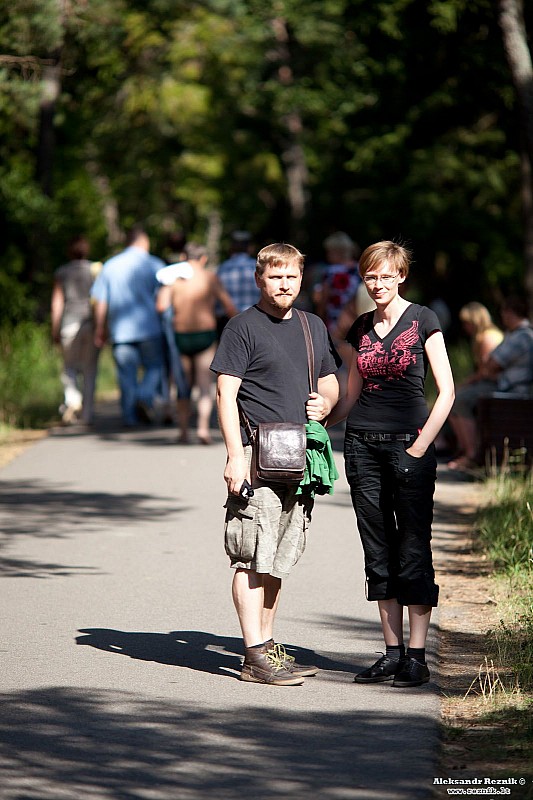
(386, 280)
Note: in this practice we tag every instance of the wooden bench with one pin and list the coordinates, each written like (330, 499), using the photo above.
(505, 423)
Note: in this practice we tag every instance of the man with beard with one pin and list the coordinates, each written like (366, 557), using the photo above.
(262, 367)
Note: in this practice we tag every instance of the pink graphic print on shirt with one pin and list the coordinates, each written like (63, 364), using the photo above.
(374, 360)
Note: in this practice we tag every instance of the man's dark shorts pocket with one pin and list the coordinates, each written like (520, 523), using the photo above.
(240, 529)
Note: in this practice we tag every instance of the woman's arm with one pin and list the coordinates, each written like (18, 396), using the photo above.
(353, 390)
(487, 343)
(58, 306)
(442, 372)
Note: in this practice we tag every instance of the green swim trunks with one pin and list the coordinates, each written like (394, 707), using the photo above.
(189, 344)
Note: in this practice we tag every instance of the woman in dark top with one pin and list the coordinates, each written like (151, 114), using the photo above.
(390, 458)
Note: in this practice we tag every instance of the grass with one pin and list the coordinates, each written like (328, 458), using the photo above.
(30, 377)
(504, 531)
(30, 390)
(491, 726)
(492, 739)
(106, 383)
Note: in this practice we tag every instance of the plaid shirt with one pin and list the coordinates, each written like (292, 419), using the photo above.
(237, 275)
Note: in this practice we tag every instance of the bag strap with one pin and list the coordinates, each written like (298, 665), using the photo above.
(309, 347)
(245, 422)
(310, 372)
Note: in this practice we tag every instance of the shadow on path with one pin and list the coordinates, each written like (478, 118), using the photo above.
(69, 743)
(196, 650)
(42, 509)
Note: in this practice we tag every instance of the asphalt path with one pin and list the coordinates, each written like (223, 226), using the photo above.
(121, 650)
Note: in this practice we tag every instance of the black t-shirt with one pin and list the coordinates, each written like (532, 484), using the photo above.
(393, 369)
(270, 357)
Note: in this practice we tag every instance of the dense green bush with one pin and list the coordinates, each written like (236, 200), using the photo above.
(30, 387)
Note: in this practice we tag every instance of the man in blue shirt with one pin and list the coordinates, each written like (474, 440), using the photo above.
(237, 276)
(124, 295)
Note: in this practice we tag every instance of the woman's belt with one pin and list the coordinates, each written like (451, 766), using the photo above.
(376, 436)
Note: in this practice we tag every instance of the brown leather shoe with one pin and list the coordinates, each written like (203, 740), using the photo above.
(290, 663)
(262, 665)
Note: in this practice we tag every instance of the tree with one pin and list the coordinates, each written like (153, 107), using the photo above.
(291, 118)
(519, 57)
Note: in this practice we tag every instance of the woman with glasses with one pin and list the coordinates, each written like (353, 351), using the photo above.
(390, 458)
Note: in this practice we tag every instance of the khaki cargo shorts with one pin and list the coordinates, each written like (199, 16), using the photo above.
(267, 533)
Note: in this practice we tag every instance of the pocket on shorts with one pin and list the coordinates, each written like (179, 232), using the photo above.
(301, 544)
(240, 529)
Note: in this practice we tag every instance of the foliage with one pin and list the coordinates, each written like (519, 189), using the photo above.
(392, 119)
(505, 526)
(505, 532)
(30, 390)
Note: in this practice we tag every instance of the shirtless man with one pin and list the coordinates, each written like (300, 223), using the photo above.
(193, 300)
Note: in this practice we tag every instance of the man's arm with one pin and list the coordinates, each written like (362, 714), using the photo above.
(490, 368)
(100, 317)
(224, 298)
(320, 403)
(163, 298)
(236, 470)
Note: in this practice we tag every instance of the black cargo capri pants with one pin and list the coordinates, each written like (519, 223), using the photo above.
(392, 494)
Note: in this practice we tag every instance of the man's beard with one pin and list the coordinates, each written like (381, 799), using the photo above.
(286, 302)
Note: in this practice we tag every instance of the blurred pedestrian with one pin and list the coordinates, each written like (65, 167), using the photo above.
(124, 294)
(390, 457)
(483, 332)
(73, 329)
(508, 368)
(193, 297)
(173, 373)
(237, 276)
(341, 278)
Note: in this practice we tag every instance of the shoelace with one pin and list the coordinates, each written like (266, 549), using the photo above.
(275, 658)
(282, 654)
(411, 663)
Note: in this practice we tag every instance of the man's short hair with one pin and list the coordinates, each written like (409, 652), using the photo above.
(240, 241)
(134, 233)
(517, 305)
(278, 255)
(195, 251)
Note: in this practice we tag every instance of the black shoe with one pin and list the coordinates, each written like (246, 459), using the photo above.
(411, 673)
(384, 669)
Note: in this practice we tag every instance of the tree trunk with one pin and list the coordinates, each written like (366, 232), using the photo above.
(292, 154)
(527, 211)
(213, 236)
(519, 57)
(51, 88)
